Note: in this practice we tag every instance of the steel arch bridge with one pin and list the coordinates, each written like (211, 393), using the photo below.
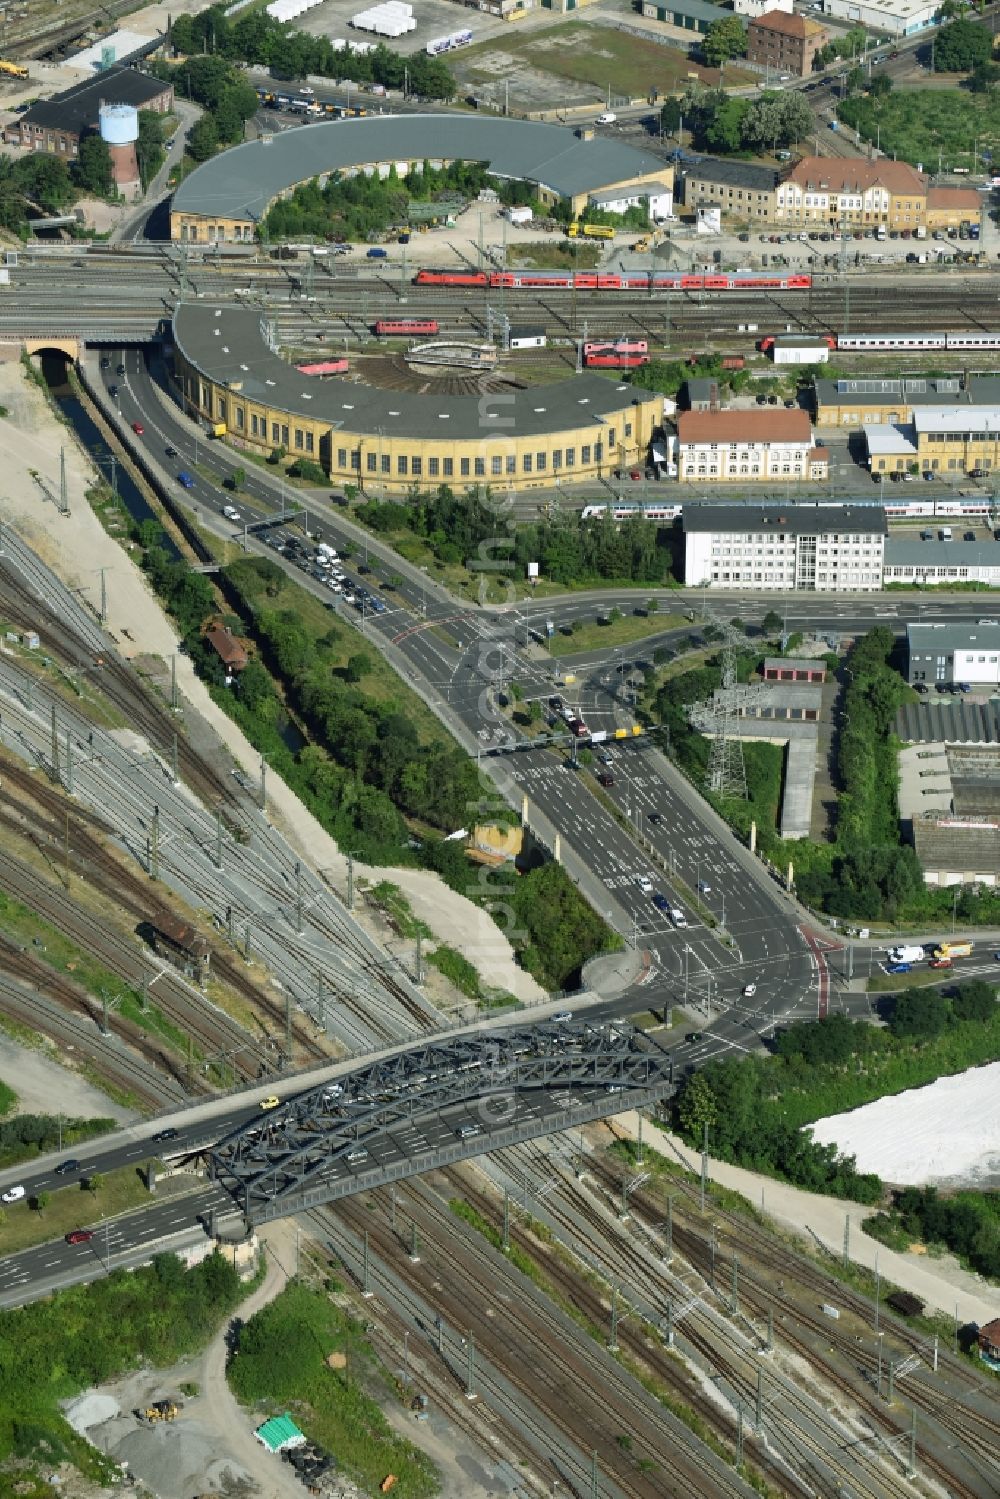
(432, 1105)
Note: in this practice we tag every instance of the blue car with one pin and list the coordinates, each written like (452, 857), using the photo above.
(186, 479)
(899, 968)
(660, 902)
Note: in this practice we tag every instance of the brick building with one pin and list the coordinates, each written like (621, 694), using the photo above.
(785, 43)
(56, 125)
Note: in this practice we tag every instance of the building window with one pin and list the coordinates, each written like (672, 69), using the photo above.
(628, 429)
(385, 463)
(570, 457)
(463, 466)
(510, 464)
(275, 433)
(371, 462)
(540, 462)
(433, 467)
(557, 458)
(448, 467)
(585, 454)
(355, 460)
(240, 417)
(416, 467)
(341, 457)
(496, 465)
(284, 435)
(480, 466)
(298, 438)
(401, 465)
(526, 463)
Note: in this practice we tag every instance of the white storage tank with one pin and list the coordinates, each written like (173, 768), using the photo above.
(119, 127)
(119, 124)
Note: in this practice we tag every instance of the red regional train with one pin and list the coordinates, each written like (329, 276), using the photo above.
(619, 280)
(404, 326)
(617, 354)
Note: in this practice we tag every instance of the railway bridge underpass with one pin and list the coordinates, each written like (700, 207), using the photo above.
(432, 1105)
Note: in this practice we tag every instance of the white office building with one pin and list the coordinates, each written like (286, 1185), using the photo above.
(961, 651)
(813, 546)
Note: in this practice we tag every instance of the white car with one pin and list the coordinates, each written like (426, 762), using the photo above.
(704, 888)
(230, 512)
(12, 1194)
(645, 883)
(749, 990)
(678, 918)
(562, 1016)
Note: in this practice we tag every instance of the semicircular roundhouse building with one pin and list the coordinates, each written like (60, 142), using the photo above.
(226, 198)
(395, 441)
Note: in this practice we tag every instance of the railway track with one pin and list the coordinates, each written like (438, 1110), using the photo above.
(822, 1447)
(40, 814)
(812, 1334)
(573, 1383)
(28, 1000)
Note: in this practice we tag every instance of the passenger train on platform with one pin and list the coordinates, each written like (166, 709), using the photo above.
(634, 281)
(915, 343)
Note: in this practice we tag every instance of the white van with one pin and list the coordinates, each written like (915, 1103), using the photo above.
(945, 533)
(607, 118)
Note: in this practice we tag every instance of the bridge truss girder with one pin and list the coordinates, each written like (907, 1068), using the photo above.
(278, 1164)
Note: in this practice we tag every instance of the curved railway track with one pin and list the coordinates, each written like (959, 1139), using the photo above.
(575, 1384)
(760, 1291)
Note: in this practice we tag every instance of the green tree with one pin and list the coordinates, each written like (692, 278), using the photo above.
(984, 77)
(40, 1201)
(724, 39)
(93, 166)
(95, 1181)
(149, 145)
(772, 622)
(960, 46)
(45, 181)
(880, 86)
(696, 1107)
(670, 116)
(203, 139)
(358, 666)
(974, 1000)
(854, 80)
(238, 479)
(919, 1014)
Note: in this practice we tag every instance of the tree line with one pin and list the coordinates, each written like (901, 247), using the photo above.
(256, 38)
(358, 207)
(758, 1109)
(724, 124)
(568, 550)
(223, 93)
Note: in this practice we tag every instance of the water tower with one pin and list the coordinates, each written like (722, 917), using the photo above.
(119, 124)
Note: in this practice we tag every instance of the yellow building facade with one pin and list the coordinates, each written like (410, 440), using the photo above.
(392, 442)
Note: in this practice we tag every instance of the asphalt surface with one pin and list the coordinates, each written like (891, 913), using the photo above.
(740, 928)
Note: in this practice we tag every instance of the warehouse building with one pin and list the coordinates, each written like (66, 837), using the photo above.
(748, 447)
(864, 401)
(226, 198)
(391, 441)
(944, 653)
(890, 17)
(690, 17)
(938, 439)
(818, 547)
(57, 124)
(799, 348)
(938, 563)
(738, 188)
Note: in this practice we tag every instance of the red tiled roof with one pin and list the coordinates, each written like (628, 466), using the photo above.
(790, 25)
(854, 174)
(954, 197)
(229, 649)
(743, 426)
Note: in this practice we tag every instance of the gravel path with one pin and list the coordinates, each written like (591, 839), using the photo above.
(940, 1282)
(44, 1086)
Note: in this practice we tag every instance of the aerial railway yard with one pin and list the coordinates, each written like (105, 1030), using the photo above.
(675, 1328)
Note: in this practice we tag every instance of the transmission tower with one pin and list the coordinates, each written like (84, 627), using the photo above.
(720, 718)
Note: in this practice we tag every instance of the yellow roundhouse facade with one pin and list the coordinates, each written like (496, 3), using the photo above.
(393, 442)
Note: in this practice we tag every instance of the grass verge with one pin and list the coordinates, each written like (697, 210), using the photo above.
(621, 631)
(282, 1365)
(72, 1207)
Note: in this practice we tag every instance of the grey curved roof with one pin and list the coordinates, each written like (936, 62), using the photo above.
(226, 344)
(239, 184)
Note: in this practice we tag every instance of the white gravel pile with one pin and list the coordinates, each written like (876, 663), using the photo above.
(91, 1409)
(946, 1133)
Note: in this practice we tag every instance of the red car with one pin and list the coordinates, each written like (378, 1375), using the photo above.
(138, 428)
(79, 1236)
(940, 963)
